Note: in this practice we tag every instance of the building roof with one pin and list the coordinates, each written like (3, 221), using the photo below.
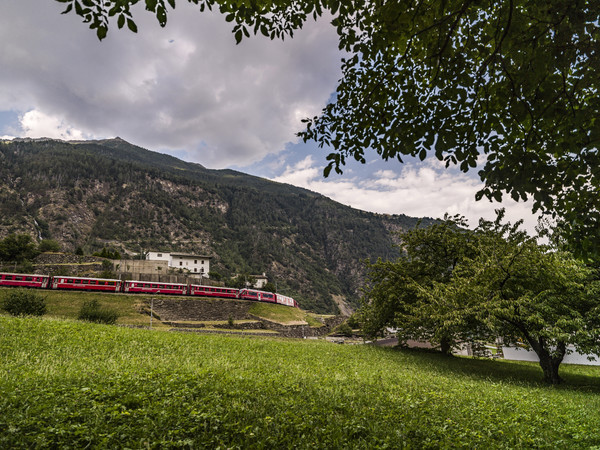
(188, 255)
(260, 277)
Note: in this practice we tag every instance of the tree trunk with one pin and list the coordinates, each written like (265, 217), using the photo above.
(446, 346)
(549, 363)
(550, 367)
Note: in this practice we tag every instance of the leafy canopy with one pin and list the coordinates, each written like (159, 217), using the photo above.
(17, 248)
(511, 84)
(455, 285)
(527, 293)
(22, 302)
(400, 293)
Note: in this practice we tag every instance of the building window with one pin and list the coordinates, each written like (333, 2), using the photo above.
(181, 263)
(159, 255)
(195, 261)
(202, 261)
(195, 270)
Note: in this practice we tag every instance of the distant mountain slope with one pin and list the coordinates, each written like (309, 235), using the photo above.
(97, 193)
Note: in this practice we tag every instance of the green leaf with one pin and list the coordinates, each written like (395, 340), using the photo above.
(151, 5)
(131, 25)
(101, 32)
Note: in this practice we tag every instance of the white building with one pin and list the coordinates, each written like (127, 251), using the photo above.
(193, 264)
(260, 281)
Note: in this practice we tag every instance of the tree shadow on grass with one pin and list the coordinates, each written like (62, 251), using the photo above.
(575, 377)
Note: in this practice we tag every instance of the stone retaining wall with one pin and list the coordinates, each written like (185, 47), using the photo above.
(190, 309)
(195, 310)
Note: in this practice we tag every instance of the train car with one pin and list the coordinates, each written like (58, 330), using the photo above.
(86, 284)
(285, 300)
(149, 287)
(24, 280)
(143, 287)
(212, 291)
(260, 296)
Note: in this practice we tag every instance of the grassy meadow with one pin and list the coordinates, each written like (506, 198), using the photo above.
(66, 305)
(67, 384)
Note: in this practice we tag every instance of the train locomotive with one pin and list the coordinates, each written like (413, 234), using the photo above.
(60, 282)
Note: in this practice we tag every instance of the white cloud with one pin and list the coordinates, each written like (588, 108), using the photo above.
(36, 123)
(185, 87)
(419, 190)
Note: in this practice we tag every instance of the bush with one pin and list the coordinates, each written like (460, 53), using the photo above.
(343, 330)
(49, 245)
(91, 311)
(353, 322)
(17, 248)
(24, 303)
(25, 267)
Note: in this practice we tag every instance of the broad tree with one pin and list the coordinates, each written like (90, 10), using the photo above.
(511, 84)
(17, 248)
(453, 285)
(399, 293)
(529, 294)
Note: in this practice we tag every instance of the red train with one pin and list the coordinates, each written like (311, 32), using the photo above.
(141, 287)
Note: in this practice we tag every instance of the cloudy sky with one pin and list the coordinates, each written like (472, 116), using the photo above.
(189, 91)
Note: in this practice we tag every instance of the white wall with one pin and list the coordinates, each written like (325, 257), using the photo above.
(521, 354)
(158, 256)
(193, 264)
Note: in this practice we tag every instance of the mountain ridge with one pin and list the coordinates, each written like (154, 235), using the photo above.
(92, 194)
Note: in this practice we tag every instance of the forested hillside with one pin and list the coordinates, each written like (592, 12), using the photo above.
(110, 193)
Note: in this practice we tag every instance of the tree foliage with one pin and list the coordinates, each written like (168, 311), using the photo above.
(92, 311)
(513, 83)
(502, 284)
(108, 253)
(399, 292)
(21, 302)
(528, 294)
(48, 245)
(17, 248)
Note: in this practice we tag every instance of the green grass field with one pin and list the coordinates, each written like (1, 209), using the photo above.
(66, 384)
(66, 305)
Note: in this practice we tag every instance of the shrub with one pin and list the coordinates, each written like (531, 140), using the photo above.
(24, 303)
(61, 270)
(91, 311)
(353, 322)
(344, 330)
(49, 245)
(25, 267)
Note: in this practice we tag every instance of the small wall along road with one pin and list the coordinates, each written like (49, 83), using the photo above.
(176, 312)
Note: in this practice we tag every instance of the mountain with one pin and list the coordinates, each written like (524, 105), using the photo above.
(109, 193)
